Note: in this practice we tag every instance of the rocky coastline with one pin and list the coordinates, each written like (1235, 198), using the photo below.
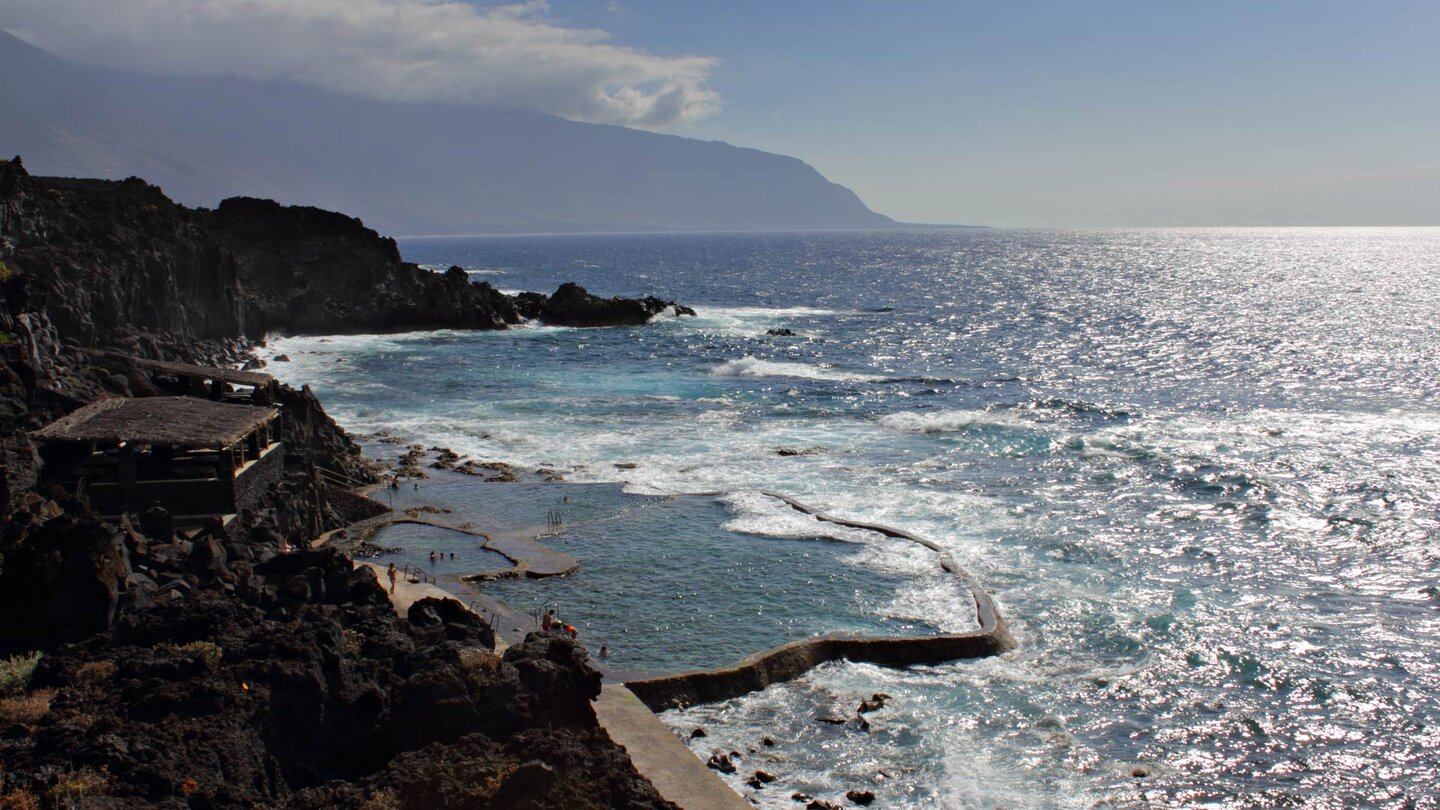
(149, 665)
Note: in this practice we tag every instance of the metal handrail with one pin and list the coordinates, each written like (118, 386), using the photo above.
(339, 478)
(411, 569)
(540, 610)
(490, 617)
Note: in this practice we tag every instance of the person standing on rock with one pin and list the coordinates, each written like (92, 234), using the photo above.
(391, 573)
(547, 622)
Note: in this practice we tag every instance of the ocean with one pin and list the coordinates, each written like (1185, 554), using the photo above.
(1196, 468)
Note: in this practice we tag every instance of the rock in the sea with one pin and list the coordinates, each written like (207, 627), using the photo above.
(874, 703)
(799, 451)
(780, 332)
(861, 797)
(571, 305)
(721, 763)
(530, 304)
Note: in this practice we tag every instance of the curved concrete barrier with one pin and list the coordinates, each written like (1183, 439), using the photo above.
(791, 660)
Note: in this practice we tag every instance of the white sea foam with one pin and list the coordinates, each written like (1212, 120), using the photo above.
(950, 421)
(749, 321)
(757, 513)
(472, 271)
(748, 366)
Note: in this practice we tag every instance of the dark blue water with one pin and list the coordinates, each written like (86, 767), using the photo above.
(1196, 467)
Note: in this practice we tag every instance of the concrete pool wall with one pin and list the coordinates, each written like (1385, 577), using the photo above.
(791, 660)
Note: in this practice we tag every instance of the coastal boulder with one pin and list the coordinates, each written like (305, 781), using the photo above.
(555, 665)
(452, 620)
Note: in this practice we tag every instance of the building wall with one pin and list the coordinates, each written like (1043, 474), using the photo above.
(195, 496)
(255, 481)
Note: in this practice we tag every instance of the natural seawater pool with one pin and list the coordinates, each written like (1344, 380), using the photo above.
(662, 583)
(418, 540)
(666, 588)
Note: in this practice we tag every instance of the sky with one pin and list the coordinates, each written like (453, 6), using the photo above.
(1101, 113)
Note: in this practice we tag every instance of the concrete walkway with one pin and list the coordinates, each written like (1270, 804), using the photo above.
(406, 592)
(660, 756)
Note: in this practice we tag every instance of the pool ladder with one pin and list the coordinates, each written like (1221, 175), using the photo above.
(490, 617)
(413, 570)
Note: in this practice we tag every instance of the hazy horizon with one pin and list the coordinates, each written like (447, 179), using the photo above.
(1116, 114)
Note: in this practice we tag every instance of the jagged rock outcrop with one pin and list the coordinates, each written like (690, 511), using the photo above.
(451, 620)
(305, 270)
(571, 305)
(111, 259)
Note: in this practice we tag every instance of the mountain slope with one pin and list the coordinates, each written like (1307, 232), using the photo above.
(403, 168)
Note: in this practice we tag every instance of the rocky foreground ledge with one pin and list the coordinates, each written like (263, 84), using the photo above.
(148, 664)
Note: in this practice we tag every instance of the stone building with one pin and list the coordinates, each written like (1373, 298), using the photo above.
(196, 457)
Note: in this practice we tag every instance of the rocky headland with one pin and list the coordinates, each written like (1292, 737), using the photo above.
(152, 665)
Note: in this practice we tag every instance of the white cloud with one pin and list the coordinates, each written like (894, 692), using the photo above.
(401, 50)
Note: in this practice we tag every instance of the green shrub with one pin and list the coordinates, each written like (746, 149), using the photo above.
(15, 673)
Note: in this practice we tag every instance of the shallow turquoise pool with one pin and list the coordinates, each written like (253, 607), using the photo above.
(664, 588)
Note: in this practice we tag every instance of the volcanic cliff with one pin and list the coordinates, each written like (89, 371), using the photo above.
(155, 667)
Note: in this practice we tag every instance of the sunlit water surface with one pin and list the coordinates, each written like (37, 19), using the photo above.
(1196, 467)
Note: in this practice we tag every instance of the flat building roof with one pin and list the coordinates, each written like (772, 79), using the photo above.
(184, 422)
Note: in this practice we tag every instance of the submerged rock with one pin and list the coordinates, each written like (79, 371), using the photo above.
(721, 763)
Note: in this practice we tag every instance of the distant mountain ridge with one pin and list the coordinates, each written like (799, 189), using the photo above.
(402, 168)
